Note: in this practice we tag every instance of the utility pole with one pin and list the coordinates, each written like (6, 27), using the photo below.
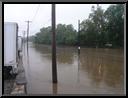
(23, 36)
(54, 65)
(78, 37)
(24, 40)
(27, 31)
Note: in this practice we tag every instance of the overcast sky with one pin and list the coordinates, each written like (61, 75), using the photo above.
(40, 14)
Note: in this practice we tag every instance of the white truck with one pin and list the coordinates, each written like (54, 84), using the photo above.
(10, 48)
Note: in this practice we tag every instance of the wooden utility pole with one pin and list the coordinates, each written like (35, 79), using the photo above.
(27, 31)
(23, 36)
(78, 37)
(54, 65)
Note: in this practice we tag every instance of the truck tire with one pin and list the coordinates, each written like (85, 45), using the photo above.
(7, 74)
(7, 70)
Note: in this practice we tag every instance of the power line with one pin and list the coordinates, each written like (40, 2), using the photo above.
(36, 12)
(47, 21)
(43, 24)
(36, 15)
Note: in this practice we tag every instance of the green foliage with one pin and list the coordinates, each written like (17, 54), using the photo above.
(101, 28)
(115, 24)
(65, 34)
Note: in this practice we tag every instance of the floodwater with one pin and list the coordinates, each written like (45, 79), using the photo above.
(94, 71)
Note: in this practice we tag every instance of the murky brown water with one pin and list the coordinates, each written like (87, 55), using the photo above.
(98, 71)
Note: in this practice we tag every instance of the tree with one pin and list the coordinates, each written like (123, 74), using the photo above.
(97, 17)
(115, 24)
(65, 34)
(93, 28)
(88, 33)
(100, 28)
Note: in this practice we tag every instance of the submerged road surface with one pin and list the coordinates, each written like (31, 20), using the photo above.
(97, 71)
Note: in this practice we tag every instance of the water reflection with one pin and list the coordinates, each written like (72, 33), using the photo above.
(64, 55)
(103, 66)
(54, 88)
(98, 70)
(43, 49)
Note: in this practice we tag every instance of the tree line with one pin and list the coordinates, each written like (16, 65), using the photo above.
(101, 29)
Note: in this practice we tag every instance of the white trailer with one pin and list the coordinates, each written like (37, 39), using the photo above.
(10, 47)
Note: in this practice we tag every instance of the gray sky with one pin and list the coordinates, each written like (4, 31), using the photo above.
(40, 14)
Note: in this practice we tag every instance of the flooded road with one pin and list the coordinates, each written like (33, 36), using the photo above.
(95, 71)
